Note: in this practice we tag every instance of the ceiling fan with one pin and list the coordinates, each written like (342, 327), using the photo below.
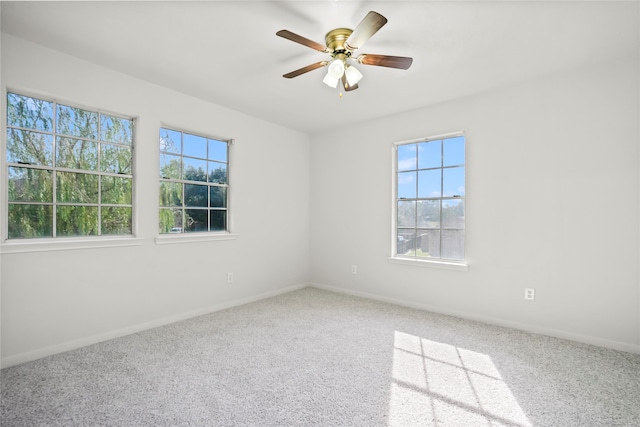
(341, 43)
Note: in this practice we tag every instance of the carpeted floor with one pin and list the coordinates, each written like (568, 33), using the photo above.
(315, 358)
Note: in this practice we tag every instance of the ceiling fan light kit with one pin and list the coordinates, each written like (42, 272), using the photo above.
(340, 43)
(353, 75)
(336, 68)
(330, 81)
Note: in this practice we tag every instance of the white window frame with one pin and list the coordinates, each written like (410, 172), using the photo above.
(56, 243)
(184, 237)
(461, 265)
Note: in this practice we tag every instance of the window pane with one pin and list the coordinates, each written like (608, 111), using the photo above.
(30, 113)
(407, 185)
(170, 221)
(407, 159)
(170, 141)
(77, 122)
(116, 129)
(452, 214)
(170, 167)
(430, 154)
(218, 220)
(170, 194)
(217, 172)
(406, 243)
(30, 221)
(453, 184)
(115, 159)
(428, 243)
(196, 220)
(65, 198)
(30, 185)
(77, 154)
(218, 197)
(195, 170)
(428, 213)
(453, 244)
(199, 184)
(454, 151)
(76, 188)
(116, 190)
(76, 220)
(429, 183)
(31, 148)
(430, 199)
(194, 146)
(218, 150)
(116, 220)
(196, 195)
(406, 213)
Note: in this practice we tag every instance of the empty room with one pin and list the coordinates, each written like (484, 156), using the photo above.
(320, 213)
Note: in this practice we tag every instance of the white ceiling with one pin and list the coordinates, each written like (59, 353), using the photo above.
(227, 52)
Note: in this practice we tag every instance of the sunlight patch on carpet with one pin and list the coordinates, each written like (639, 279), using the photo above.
(439, 384)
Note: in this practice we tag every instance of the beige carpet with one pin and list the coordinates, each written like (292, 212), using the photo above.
(315, 358)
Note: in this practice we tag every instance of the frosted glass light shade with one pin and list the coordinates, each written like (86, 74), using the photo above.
(353, 75)
(336, 69)
(330, 81)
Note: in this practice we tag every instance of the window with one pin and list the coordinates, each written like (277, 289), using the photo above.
(69, 170)
(429, 198)
(193, 183)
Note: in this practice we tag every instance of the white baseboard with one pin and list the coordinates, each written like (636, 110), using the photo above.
(586, 339)
(94, 339)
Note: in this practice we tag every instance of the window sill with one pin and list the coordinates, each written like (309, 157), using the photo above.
(446, 265)
(193, 237)
(59, 244)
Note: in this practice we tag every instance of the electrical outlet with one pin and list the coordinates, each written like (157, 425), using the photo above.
(354, 269)
(229, 277)
(529, 294)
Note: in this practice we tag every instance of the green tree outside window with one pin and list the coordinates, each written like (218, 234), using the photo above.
(69, 170)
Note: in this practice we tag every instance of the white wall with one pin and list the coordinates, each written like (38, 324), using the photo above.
(552, 204)
(57, 300)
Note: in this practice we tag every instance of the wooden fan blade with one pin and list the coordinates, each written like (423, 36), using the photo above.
(306, 69)
(346, 86)
(365, 29)
(302, 40)
(402, 62)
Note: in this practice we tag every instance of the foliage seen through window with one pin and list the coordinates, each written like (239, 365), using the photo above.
(193, 183)
(69, 170)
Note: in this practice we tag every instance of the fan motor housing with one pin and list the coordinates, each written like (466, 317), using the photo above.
(335, 39)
